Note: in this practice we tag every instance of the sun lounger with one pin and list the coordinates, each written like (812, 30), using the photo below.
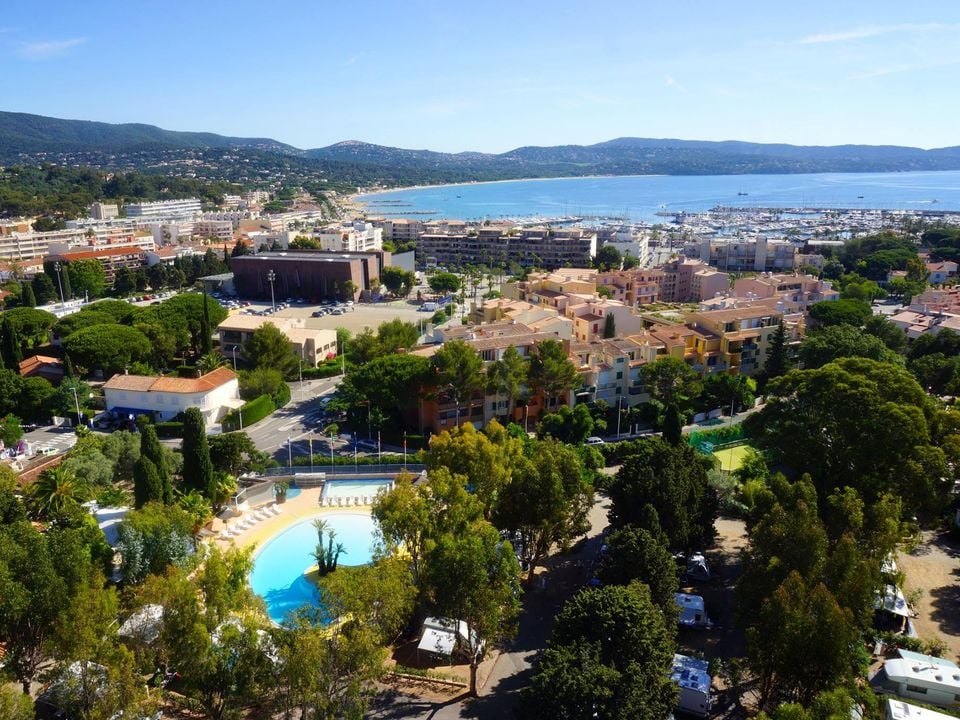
(277, 509)
(356, 501)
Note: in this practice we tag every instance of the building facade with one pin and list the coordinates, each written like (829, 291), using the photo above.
(163, 398)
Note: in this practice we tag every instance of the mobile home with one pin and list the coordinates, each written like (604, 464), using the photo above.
(692, 611)
(930, 680)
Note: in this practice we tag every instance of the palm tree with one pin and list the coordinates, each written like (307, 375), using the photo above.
(210, 362)
(56, 490)
(197, 507)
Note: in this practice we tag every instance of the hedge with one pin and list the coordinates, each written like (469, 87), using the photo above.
(718, 436)
(251, 412)
(321, 458)
(169, 429)
(328, 368)
(280, 398)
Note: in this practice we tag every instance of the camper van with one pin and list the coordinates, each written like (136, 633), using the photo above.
(429, 307)
(931, 680)
(693, 678)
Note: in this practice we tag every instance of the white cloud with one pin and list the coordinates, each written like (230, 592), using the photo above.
(671, 82)
(47, 49)
(869, 31)
(903, 68)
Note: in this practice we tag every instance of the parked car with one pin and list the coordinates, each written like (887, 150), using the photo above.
(594, 440)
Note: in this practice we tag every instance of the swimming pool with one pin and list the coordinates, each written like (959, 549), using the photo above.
(278, 568)
(356, 488)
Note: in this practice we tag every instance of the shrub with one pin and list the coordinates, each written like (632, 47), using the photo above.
(170, 429)
(250, 412)
(280, 398)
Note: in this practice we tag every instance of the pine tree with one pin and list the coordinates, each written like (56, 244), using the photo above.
(151, 449)
(673, 425)
(778, 360)
(609, 327)
(11, 346)
(205, 342)
(197, 468)
(147, 486)
(27, 297)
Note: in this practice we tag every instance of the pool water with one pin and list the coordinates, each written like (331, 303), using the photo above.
(355, 488)
(278, 568)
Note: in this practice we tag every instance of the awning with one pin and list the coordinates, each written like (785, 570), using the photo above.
(437, 641)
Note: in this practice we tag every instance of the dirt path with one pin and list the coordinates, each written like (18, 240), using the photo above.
(934, 569)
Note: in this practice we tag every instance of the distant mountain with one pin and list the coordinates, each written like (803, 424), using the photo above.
(36, 138)
(21, 133)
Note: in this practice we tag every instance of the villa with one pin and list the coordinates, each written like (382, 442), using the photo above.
(163, 398)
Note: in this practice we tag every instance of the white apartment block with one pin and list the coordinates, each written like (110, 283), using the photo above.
(234, 216)
(400, 229)
(256, 196)
(231, 201)
(757, 254)
(352, 237)
(20, 247)
(627, 241)
(164, 208)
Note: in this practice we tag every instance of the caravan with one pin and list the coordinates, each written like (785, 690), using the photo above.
(693, 678)
(931, 680)
(693, 613)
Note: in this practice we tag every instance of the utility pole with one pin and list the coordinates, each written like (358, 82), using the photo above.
(271, 276)
(56, 267)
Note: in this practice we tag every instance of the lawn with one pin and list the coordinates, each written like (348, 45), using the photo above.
(732, 458)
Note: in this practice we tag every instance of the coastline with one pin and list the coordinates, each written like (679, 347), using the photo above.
(358, 198)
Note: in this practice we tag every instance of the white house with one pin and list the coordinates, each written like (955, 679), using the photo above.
(931, 680)
(693, 679)
(163, 398)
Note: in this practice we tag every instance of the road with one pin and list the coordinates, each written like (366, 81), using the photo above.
(512, 670)
(296, 421)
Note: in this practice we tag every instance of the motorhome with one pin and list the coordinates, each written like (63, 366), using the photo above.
(931, 680)
(693, 678)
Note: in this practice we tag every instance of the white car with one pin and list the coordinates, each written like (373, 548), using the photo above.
(594, 440)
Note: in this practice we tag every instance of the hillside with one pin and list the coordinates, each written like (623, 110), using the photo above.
(34, 134)
(34, 138)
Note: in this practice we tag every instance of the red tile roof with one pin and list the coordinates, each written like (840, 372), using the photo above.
(145, 383)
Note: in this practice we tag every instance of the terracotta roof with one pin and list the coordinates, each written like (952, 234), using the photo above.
(98, 253)
(144, 383)
(32, 364)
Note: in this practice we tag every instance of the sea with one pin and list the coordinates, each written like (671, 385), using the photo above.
(652, 198)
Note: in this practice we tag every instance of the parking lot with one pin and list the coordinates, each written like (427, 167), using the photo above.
(355, 318)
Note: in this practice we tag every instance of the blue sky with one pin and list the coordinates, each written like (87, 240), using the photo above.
(494, 75)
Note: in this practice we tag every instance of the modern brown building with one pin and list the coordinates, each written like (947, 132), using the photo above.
(309, 274)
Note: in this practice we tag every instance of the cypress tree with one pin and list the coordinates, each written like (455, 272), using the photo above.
(205, 342)
(11, 346)
(147, 486)
(151, 449)
(197, 468)
(778, 361)
(68, 370)
(673, 425)
(609, 327)
(27, 297)
(65, 279)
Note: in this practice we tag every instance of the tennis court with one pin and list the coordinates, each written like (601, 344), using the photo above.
(731, 458)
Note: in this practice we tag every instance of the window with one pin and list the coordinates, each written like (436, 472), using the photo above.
(619, 376)
(916, 689)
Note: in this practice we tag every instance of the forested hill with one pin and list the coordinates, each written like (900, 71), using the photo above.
(22, 133)
(34, 138)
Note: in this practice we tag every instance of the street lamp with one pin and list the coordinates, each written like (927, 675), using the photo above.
(289, 452)
(76, 404)
(235, 358)
(619, 413)
(271, 276)
(56, 267)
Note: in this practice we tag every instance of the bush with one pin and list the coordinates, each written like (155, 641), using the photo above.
(320, 459)
(719, 436)
(170, 429)
(328, 368)
(250, 412)
(280, 398)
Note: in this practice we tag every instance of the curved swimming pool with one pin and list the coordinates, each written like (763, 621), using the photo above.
(278, 568)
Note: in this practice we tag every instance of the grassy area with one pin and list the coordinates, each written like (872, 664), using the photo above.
(731, 458)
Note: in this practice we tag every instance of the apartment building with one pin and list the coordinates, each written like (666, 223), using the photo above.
(590, 318)
(679, 280)
(351, 237)
(164, 208)
(554, 289)
(736, 339)
(311, 344)
(256, 197)
(218, 230)
(626, 286)
(23, 247)
(494, 246)
(112, 258)
(400, 229)
(797, 291)
(104, 211)
(757, 254)
(234, 216)
(627, 241)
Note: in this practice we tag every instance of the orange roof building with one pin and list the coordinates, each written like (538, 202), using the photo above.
(163, 398)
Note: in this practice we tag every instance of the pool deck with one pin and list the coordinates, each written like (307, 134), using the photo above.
(306, 505)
